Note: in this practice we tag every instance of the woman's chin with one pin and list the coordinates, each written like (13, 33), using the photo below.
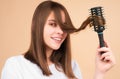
(55, 47)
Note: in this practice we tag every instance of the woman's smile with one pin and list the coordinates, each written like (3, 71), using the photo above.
(57, 39)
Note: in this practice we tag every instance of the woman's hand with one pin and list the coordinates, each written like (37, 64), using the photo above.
(104, 61)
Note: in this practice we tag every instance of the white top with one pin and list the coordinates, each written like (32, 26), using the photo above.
(18, 67)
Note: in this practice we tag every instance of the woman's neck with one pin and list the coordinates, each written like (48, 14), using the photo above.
(48, 55)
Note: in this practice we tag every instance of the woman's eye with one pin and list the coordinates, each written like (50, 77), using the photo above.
(53, 24)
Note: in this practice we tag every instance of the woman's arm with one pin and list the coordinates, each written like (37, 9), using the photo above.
(104, 62)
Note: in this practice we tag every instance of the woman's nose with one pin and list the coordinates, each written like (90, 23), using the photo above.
(59, 30)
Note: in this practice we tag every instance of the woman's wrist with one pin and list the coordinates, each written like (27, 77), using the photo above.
(99, 75)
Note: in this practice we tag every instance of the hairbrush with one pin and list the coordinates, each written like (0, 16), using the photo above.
(98, 22)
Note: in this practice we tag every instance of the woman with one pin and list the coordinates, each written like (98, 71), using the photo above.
(49, 55)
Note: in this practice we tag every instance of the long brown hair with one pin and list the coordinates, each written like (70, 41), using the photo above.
(36, 52)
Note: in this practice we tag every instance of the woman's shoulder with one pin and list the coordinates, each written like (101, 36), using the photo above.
(18, 60)
(76, 69)
(11, 66)
(74, 64)
(19, 66)
(14, 59)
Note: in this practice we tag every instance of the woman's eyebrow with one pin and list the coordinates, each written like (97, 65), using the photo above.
(52, 20)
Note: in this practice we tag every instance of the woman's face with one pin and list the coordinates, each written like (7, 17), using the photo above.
(53, 34)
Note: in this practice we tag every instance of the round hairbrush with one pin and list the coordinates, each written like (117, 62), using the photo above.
(98, 22)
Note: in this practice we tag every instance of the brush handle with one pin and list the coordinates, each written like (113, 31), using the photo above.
(101, 39)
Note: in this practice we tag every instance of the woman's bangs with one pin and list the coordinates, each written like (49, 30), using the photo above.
(65, 26)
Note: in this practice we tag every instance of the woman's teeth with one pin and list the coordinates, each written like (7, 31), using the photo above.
(58, 39)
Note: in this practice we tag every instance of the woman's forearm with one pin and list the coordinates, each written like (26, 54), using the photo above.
(99, 75)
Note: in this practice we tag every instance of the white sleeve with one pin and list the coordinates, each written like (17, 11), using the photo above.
(11, 70)
(76, 70)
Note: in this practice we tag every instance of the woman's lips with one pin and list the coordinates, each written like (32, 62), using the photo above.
(57, 39)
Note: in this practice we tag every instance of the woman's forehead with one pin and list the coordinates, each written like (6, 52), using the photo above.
(52, 16)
